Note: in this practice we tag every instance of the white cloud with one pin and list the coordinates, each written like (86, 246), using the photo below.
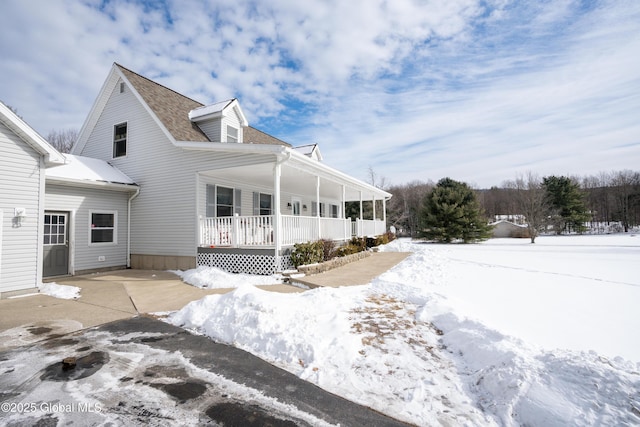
(476, 90)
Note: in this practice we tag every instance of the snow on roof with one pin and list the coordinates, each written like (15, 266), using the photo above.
(207, 110)
(80, 168)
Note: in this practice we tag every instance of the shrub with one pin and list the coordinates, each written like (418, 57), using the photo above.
(359, 242)
(328, 249)
(347, 249)
(307, 253)
(389, 236)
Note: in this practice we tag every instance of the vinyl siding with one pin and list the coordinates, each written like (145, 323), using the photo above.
(80, 202)
(21, 179)
(212, 129)
(164, 218)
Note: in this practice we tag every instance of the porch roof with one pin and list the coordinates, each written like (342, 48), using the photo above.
(298, 173)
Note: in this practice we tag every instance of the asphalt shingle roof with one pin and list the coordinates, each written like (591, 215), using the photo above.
(172, 109)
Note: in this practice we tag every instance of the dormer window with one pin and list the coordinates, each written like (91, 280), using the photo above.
(120, 140)
(232, 134)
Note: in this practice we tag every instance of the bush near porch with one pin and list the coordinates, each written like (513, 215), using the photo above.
(325, 250)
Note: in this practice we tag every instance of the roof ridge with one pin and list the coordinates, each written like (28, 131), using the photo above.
(157, 84)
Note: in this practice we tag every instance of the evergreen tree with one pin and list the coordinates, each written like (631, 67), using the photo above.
(568, 208)
(451, 211)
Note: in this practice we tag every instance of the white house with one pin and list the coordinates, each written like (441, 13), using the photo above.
(59, 214)
(214, 190)
(24, 156)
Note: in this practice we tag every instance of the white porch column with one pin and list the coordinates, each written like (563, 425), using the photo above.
(359, 222)
(384, 213)
(347, 225)
(374, 207)
(277, 219)
(318, 206)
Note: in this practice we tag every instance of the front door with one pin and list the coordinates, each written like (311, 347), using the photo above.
(56, 244)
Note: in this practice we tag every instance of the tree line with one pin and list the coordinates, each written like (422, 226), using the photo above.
(558, 204)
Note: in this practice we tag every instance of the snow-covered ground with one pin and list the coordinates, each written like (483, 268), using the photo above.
(59, 291)
(502, 332)
(214, 278)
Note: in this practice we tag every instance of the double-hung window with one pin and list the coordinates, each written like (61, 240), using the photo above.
(222, 201)
(232, 134)
(262, 204)
(103, 227)
(120, 140)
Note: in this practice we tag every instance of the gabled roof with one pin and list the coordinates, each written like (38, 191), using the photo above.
(83, 170)
(30, 136)
(168, 108)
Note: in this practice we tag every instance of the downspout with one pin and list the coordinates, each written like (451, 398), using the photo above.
(129, 226)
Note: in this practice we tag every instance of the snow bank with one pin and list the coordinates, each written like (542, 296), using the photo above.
(411, 346)
(214, 278)
(59, 291)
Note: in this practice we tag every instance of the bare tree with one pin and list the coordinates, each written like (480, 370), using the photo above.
(404, 207)
(529, 198)
(375, 179)
(63, 140)
(625, 186)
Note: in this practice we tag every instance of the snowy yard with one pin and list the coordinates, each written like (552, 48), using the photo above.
(498, 333)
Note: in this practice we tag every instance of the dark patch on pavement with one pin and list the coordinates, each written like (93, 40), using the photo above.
(84, 367)
(182, 391)
(39, 330)
(236, 414)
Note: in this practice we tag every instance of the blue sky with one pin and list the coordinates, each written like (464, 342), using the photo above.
(476, 90)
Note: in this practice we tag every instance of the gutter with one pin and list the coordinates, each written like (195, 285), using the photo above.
(91, 184)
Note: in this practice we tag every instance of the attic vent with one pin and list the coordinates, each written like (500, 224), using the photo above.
(122, 87)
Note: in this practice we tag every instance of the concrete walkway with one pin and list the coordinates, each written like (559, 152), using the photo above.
(356, 273)
(117, 295)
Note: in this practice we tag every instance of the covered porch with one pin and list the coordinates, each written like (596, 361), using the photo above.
(261, 204)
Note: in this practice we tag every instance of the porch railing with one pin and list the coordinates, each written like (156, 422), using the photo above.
(365, 227)
(237, 231)
(243, 231)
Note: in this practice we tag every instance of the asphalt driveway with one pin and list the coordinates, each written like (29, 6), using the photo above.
(142, 371)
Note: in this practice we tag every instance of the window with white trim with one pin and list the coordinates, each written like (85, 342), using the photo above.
(262, 204)
(102, 227)
(120, 140)
(232, 134)
(334, 211)
(222, 201)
